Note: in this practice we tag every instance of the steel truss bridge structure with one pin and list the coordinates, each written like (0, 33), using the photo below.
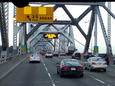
(34, 40)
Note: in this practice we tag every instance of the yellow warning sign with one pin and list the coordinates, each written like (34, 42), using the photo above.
(51, 36)
(34, 14)
(42, 11)
(27, 10)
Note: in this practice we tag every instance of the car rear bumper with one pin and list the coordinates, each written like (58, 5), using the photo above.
(77, 73)
(48, 56)
(99, 66)
(35, 60)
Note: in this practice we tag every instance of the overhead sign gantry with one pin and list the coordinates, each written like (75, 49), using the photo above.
(34, 14)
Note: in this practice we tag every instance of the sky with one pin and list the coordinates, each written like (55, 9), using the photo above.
(76, 11)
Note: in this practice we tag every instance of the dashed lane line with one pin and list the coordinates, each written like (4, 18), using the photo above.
(53, 84)
(97, 79)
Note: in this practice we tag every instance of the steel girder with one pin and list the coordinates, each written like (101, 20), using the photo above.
(109, 51)
(91, 24)
(34, 37)
(36, 27)
(58, 31)
(87, 37)
(75, 21)
(4, 24)
(69, 3)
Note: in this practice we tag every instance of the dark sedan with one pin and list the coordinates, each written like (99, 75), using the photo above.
(70, 67)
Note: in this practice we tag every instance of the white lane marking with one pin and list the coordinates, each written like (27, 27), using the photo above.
(53, 84)
(108, 85)
(12, 68)
(97, 79)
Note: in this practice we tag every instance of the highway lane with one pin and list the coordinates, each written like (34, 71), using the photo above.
(69, 81)
(44, 74)
(27, 74)
(93, 78)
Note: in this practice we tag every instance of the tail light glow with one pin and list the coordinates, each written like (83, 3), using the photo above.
(64, 68)
(38, 57)
(105, 63)
(30, 58)
(80, 68)
(93, 63)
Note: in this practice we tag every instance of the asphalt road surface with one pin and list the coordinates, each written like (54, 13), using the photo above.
(44, 74)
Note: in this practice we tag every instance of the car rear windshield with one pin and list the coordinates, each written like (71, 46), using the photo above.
(49, 52)
(78, 54)
(71, 63)
(98, 59)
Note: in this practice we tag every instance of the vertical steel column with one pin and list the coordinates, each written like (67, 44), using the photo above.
(109, 25)
(95, 31)
(25, 34)
(4, 24)
(4, 10)
(71, 35)
(14, 32)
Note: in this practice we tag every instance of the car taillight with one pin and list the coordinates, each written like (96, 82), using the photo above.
(30, 58)
(93, 63)
(105, 63)
(80, 68)
(38, 57)
(64, 68)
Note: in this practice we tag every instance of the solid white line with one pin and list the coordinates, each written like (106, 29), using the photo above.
(12, 68)
(53, 84)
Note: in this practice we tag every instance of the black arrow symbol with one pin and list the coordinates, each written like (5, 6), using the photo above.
(28, 17)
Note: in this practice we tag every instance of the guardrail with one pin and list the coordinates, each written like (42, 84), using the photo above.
(4, 59)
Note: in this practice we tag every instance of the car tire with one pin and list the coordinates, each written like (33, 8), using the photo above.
(81, 75)
(61, 74)
(90, 69)
(104, 70)
(85, 68)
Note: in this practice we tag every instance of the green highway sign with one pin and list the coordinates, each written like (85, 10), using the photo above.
(96, 49)
(23, 49)
(76, 49)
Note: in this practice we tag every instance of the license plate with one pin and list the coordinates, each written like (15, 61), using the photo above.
(73, 68)
(99, 63)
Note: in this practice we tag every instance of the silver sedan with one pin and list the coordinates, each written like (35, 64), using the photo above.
(95, 63)
(34, 58)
